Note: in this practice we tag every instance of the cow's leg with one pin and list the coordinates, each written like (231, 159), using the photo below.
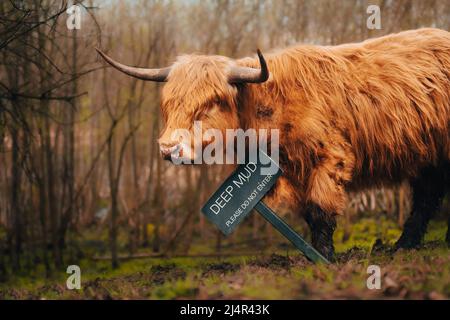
(326, 195)
(428, 191)
(322, 227)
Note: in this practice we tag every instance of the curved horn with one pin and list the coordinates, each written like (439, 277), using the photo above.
(250, 75)
(159, 75)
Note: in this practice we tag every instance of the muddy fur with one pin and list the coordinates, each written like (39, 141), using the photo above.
(429, 189)
(322, 227)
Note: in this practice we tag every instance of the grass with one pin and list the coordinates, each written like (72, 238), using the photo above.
(272, 274)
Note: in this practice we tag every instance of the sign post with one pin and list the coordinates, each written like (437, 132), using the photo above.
(243, 191)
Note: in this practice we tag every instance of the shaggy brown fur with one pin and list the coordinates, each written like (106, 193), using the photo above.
(358, 115)
(351, 116)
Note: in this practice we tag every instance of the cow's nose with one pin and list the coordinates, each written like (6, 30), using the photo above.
(167, 150)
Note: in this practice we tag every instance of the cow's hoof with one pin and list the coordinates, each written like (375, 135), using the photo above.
(331, 258)
(328, 253)
(381, 248)
(407, 243)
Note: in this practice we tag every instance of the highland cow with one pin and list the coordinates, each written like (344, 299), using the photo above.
(351, 117)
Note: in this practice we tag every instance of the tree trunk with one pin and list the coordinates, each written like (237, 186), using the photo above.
(114, 203)
(15, 202)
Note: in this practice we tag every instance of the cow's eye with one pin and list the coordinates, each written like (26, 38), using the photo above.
(221, 104)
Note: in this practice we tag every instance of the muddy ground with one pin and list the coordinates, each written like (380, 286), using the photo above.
(275, 273)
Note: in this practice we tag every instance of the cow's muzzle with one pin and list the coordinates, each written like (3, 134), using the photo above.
(170, 151)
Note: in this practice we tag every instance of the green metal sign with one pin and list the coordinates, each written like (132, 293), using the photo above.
(243, 191)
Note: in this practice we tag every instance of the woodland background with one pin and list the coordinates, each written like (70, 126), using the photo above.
(80, 171)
